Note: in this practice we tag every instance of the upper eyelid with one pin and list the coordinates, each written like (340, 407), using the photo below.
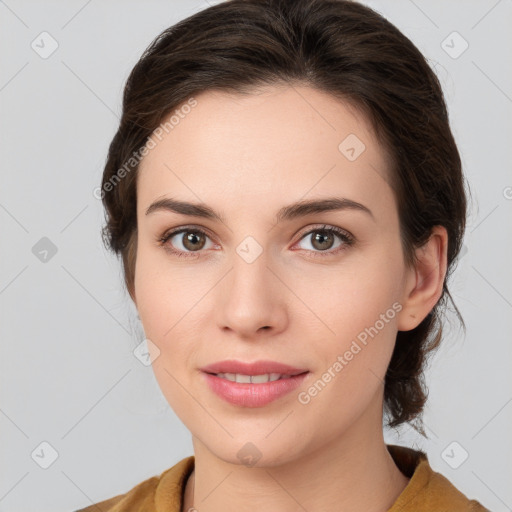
(327, 227)
(176, 231)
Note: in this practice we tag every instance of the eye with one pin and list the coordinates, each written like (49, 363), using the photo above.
(323, 239)
(187, 241)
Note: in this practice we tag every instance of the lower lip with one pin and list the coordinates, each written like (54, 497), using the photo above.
(253, 395)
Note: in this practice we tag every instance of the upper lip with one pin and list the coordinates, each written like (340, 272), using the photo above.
(255, 368)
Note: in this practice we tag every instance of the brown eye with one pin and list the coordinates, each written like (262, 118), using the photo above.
(327, 240)
(185, 241)
(322, 240)
(193, 240)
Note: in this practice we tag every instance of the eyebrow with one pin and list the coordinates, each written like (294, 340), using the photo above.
(287, 213)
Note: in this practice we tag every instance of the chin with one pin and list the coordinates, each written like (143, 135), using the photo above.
(246, 450)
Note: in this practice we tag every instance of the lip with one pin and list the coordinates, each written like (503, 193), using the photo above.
(249, 394)
(255, 368)
(252, 395)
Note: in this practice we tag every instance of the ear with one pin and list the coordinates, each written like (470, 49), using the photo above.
(424, 283)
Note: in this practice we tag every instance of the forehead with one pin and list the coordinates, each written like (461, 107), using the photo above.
(277, 140)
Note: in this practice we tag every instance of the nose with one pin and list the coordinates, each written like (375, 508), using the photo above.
(251, 302)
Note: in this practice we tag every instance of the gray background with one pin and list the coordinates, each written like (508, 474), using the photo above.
(68, 329)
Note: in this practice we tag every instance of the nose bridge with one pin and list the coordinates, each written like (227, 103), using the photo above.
(251, 298)
(251, 262)
(249, 280)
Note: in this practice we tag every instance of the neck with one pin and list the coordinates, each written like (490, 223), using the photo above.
(351, 472)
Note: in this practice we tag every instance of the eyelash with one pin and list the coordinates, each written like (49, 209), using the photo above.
(347, 239)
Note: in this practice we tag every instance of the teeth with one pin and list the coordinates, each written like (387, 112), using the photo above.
(258, 379)
(254, 379)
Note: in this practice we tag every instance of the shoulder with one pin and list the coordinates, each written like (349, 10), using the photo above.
(134, 499)
(440, 494)
(428, 490)
(146, 496)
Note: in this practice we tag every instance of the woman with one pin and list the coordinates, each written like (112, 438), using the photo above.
(288, 202)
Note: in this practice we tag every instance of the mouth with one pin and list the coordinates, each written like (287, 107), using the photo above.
(252, 384)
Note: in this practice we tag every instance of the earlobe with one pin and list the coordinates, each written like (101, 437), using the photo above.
(424, 283)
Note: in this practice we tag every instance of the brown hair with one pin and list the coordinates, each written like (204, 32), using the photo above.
(337, 46)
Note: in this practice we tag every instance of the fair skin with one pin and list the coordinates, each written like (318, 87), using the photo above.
(246, 157)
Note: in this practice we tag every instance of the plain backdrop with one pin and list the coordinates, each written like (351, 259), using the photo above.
(81, 419)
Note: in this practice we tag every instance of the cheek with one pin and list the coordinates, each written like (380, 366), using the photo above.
(166, 325)
(358, 310)
(348, 300)
(165, 302)
(160, 293)
(354, 362)
(366, 305)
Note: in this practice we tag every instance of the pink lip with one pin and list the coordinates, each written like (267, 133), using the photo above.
(252, 395)
(256, 368)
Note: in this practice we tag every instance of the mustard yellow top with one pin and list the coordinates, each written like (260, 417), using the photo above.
(427, 490)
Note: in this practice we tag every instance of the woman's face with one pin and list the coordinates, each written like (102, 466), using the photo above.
(257, 286)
